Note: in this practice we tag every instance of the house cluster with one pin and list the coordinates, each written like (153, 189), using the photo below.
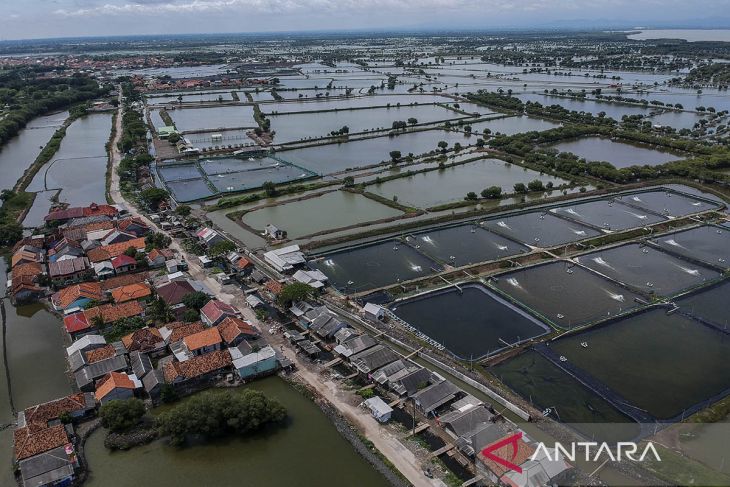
(472, 424)
(84, 244)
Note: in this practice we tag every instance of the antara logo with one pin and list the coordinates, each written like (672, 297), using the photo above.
(513, 440)
(593, 451)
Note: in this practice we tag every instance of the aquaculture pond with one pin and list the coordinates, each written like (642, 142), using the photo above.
(562, 397)
(668, 203)
(189, 189)
(373, 266)
(513, 125)
(612, 110)
(18, 153)
(464, 244)
(190, 97)
(566, 294)
(709, 305)
(607, 215)
(332, 103)
(648, 269)
(662, 363)
(707, 243)
(247, 461)
(620, 154)
(232, 116)
(441, 186)
(300, 126)
(78, 169)
(306, 216)
(205, 140)
(540, 229)
(470, 321)
(330, 158)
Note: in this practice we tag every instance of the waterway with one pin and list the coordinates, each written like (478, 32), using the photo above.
(307, 451)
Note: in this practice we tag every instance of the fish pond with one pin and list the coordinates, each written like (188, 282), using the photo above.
(540, 229)
(620, 154)
(707, 243)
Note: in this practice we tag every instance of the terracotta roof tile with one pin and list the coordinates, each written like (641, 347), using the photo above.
(113, 312)
(30, 443)
(124, 280)
(101, 353)
(76, 322)
(37, 417)
(180, 330)
(230, 328)
(144, 339)
(174, 292)
(67, 295)
(107, 252)
(215, 309)
(27, 270)
(205, 338)
(111, 381)
(131, 292)
(524, 453)
(197, 366)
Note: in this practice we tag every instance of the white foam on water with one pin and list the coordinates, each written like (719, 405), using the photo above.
(329, 263)
(601, 261)
(501, 247)
(697, 203)
(690, 271)
(572, 212)
(637, 215)
(578, 232)
(503, 225)
(673, 243)
(616, 297)
(514, 282)
(416, 268)
(427, 239)
(636, 198)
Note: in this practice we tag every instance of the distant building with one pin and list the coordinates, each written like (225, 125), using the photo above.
(275, 233)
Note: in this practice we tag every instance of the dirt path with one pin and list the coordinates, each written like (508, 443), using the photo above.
(390, 446)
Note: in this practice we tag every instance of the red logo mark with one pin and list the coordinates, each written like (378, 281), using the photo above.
(487, 452)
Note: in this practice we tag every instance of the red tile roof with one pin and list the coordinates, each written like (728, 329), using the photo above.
(77, 212)
(205, 338)
(107, 252)
(197, 366)
(232, 327)
(76, 322)
(113, 312)
(67, 295)
(31, 443)
(215, 309)
(111, 381)
(274, 286)
(524, 453)
(180, 330)
(99, 354)
(123, 280)
(29, 269)
(37, 417)
(131, 292)
(123, 260)
(174, 292)
(144, 340)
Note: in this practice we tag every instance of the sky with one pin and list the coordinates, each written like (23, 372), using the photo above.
(30, 19)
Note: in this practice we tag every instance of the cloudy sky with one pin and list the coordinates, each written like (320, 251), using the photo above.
(22, 19)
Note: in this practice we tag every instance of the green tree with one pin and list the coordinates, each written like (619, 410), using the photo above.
(269, 188)
(195, 300)
(160, 311)
(412, 121)
(10, 233)
(221, 248)
(154, 196)
(395, 155)
(183, 210)
(471, 196)
(520, 188)
(535, 185)
(492, 192)
(296, 291)
(119, 416)
(443, 145)
(348, 181)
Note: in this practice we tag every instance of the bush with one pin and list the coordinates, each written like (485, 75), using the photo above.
(119, 416)
(296, 291)
(214, 415)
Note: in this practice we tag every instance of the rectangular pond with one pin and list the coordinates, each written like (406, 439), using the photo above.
(540, 229)
(374, 266)
(331, 158)
(513, 125)
(620, 154)
(707, 243)
(471, 323)
(178, 172)
(548, 387)
(255, 178)
(464, 244)
(328, 211)
(190, 97)
(302, 126)
(566, 294)
(664, 364)
(204, 140)
(324, 103)
(441, 186)
(192, 119)
(607, 215)
(648, 269)
(189, 190)
(668, 203)
(709, 305)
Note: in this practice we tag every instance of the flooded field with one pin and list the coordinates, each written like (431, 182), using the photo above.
(708, 243)
(332, 210)
(301, 126)
(550, 388)
(540, 229)
(607, 215)
(330, 158)
(620, 154)
(258, 456)
(648, 269)
(432, 188)
(664, 364)
(79, 166)
(374, 266)
(464, 244)
(471, 322)
(613, 110)
(20, 151)
(566, 294)
(513, 125)
(192, 119)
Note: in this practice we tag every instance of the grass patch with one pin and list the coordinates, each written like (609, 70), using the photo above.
(680, 470)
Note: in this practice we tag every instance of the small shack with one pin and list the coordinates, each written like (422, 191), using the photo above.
(379, 409)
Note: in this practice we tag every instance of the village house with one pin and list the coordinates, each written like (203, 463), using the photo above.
(79, 212)
(257, 363)
(234, 330)
(76, 324)
(132, 292)
(88, 374)
(77, 296)
(313, 278)
(67, 271)
(285, 259)
(147, 340)
(116, 386)
(201, 367)
(379, 409)
(215, 311)
(26, 254)
(206, 341)
(55, 467)
(173, 293)
(86, 342)
(123, 264)
(274, 233)
(29, 443)
(157, 257)
(209, 237)
(109, 252)
(25, 289)
(109, 313)
(172, 333)
(436, 395)
(103, 269)
(48, 414)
